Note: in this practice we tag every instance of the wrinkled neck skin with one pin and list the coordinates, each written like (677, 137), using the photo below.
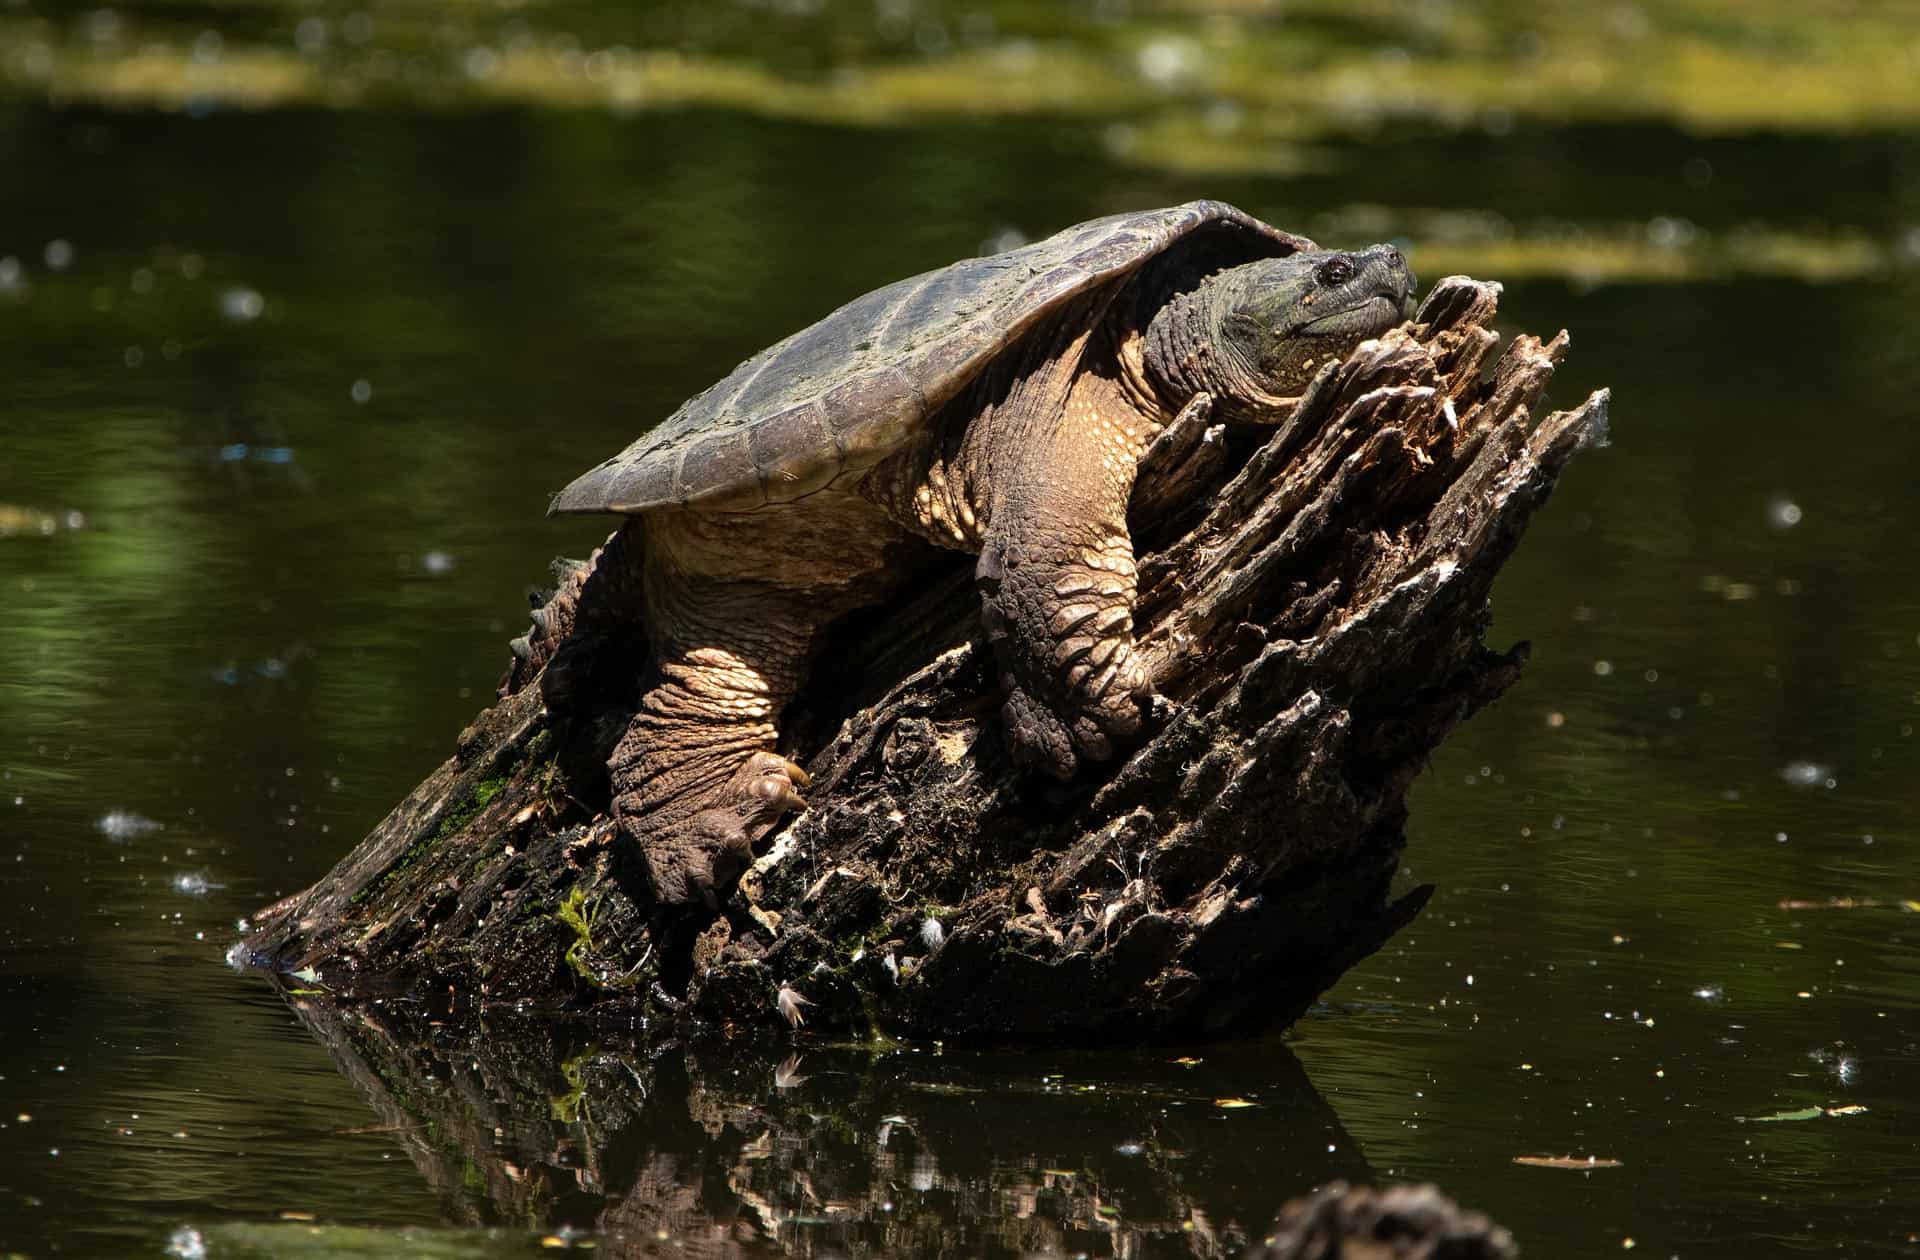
(1185, 351)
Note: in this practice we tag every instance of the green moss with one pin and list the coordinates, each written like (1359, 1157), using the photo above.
(571, 1107)
(865, 942)
(458, 817)
(452, 823)
(539, 748)
(578, 915)
(550, 786)
(1195, 86)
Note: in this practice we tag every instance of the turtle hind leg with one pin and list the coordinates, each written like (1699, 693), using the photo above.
(696, 780)
(697, 844)
(733, 606)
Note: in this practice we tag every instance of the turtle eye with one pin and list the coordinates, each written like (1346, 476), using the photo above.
(1335, 271)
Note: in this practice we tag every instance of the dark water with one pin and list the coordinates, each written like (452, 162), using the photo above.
(307, 377)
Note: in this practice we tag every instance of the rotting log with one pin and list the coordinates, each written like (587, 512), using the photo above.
(1313, 599)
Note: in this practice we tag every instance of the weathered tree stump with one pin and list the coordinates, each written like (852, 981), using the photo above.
(1313, 597)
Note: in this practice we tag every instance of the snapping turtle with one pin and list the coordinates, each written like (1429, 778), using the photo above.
(998, 406)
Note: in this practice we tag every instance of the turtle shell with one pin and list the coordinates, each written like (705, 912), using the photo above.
(840, 395)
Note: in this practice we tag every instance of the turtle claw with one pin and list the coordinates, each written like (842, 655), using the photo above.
(1036, 736)
(1084, 728)
(773, 780)
(698, 859)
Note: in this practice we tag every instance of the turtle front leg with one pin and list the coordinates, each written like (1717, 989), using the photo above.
(1056, 576)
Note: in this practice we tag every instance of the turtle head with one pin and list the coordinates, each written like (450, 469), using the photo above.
(1282, 318)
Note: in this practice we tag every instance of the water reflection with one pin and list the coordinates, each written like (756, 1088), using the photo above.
(743, 1150)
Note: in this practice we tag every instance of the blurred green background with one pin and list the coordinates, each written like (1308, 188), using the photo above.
(305, 309)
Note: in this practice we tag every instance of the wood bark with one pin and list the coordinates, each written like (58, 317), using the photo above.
(1313, 598)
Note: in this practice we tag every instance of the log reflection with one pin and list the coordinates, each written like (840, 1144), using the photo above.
(730, 1150)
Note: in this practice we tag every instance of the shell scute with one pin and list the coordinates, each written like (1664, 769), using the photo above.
(1054, 284)
(871, 416)
(802, 365)
(795, 451)
(718, 471)
(944, 366)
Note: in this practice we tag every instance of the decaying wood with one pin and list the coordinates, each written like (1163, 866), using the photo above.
(1313, 598)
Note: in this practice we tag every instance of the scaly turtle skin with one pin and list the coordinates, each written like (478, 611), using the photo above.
(997, 406)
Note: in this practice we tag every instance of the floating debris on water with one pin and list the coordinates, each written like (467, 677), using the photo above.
(1783, 513)
(241, 304)
(273, 668)
(1710, 993)
(248, 452)
(1727, 588)
(1576, 1163)
(438, 563)
(59, 255)
(26, 522)
(311, 35)
(1839, 903)
(1804, 1113)
(186, 1243)
(1168, 62)
(194, 884)
(1807, 774)
(122, 824)
(480, 62)
(1843, 1067)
